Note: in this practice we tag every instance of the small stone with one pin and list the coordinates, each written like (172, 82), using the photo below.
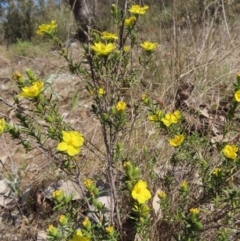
(7, 199)
(68, 187)
(42, 236)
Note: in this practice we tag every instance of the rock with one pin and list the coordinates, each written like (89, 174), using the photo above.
(156, 205)
(68, 187)
(7, 198)
(42, 236)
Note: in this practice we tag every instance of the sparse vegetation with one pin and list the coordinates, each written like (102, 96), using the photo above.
(134, 136)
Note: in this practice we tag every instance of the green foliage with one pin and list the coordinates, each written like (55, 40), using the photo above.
(23, 16)
(29, 49)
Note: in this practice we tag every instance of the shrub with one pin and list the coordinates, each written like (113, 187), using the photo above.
(194, 196)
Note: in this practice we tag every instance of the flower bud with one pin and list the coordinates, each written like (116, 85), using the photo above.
(30, 74)
(58, 195)
(40, 107)
(16, 100)
(128, 168)
(114, 10)
(135, 173)
(63, 219)
(52, 231)
(105, 116)
(86, 223)
(238, 79)
(134, 38)
(49, 119)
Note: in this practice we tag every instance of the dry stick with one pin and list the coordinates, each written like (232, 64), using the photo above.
(225, 20)
(10, 156)
(109, 150)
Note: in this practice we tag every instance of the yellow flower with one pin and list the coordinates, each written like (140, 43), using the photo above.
(63, 219)
(216, 171)
(101, 91)
(140, 192)
(86, 222)
(237, 95)
(88, 183)
(230, 151)
(126, 48)
(129, 21)
(171, 118)
(177, 140)
(121, 106)
(2, 125)
(184, 186)
(52, 230)
(144, 96)
(109, 36)
(32, 91)
(153, 118)
(148, 46)
(72, 141)
(58, 195)
(194, 211)
(156, 116)
(177, 114)
(110, 230)
(103, 49)
(136, 9)
(127, 163)
(78, 236)
(162, 195)
(47, 28)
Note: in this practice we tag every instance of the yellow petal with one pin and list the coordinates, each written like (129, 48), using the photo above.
(62, 146)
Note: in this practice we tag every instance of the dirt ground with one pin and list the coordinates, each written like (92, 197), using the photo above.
(34, 169)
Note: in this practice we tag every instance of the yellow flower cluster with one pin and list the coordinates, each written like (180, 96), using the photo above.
(57, 193)
(63, 219)
(86, 223)
(2, 125)
(109, 36)
(101, 91)
(138, 10)
(103, 49)
(148, 46)
(194, 211)
(171, 118)
(72, 141)
(237, 95)
(110, 230)
(52, 230)
(162, 195)
(121, 106)
(156, 116)
(47, 28)
(140, 192)
(216, 171)
(32, 91)
(129, 21)
(177, 140)
(230, 151)
(126, 48)
(184, 186)
(78, 236)
(88, 183)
